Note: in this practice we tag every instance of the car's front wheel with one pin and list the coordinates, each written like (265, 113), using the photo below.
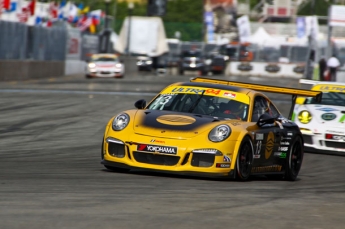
(244, 161)
(295, 158)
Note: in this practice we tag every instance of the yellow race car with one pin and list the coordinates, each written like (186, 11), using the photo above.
(207, 127)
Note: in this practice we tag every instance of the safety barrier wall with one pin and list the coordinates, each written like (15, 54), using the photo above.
(11, 70)
(265, 69)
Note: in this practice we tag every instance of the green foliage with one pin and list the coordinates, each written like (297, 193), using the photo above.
(185, 16)
(320, 8)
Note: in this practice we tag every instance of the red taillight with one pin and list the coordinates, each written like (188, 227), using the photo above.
(329, 136)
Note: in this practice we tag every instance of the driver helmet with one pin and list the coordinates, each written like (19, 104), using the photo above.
(234, 107)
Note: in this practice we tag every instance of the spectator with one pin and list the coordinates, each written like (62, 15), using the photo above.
(333, 65)
(322, 68)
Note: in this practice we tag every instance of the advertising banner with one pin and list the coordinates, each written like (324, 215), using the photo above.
(336, 15)
(244, 30)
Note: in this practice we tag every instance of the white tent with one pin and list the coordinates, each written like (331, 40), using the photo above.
(146, 35)
(261, 37)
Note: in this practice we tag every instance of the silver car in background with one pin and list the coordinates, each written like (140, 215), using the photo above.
(105, 65)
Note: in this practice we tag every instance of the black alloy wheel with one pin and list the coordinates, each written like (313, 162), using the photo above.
(295, 158)
(244, 161)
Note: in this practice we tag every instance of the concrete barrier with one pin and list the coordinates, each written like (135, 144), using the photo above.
(27, 69)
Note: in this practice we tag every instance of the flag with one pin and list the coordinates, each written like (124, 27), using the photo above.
(84, 23)
(6, 4)
(96, 16)
(31, 7)
(62, 10)
(53, 10)
(73, 13)
(13, 6)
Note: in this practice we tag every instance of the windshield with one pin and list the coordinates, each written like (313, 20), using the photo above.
(329, 98)
(203, 101)
(104, 59)
(191, 53)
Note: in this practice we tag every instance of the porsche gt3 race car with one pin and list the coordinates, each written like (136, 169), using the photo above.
(105, 65)
(322, 124)
(208, 127)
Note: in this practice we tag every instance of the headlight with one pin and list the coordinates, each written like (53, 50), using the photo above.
(91, 65)
(118, 65)
(208, 61)
(148, 62)
(304, 117)
(219, 133)
(120, 122)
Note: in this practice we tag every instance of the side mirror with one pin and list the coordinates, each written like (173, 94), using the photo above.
(140, 104)
(265, 119)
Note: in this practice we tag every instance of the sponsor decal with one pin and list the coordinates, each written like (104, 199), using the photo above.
(272, 68)
(283, 148)
(195, 90)
(269, 144)
(158, 141)
(285, 143)
(226, 159)
(338, 137)
(342, 119)
(212, 91)
(289, 134)
(245, 67)
(328, 116)
(280, 154)
(257, 149)
(189, 90)
(235, 123)
(327, 109)
(271, 168)
(223, 165)
(334, 131)
(259, 136)
(229, 94)
(332, 88)
(157, 149)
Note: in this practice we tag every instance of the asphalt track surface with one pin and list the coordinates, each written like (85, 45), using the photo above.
(51, 176)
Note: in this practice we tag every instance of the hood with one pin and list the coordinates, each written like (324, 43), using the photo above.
(329, 115)
(172, 124)
(105, 64)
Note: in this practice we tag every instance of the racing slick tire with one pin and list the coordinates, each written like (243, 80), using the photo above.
(294, 160)
(88, 77)
(244, 160)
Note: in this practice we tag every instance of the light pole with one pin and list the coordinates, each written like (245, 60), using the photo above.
(130, 10)
(105, 34)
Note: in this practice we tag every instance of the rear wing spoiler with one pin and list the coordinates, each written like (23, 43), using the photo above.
(266, 88)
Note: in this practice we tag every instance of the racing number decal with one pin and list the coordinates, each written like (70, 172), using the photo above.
(269, 144)
(258, 149)
(165, 99)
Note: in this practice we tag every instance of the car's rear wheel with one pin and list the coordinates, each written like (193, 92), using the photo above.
(88, 76)
(244, 161)
(295, 158)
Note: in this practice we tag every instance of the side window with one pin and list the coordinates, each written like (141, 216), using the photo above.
(260, 107)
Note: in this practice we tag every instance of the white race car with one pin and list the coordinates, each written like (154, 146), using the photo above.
(322, 124)
(105, 65)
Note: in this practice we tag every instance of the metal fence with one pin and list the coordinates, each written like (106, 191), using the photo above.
(20, 42)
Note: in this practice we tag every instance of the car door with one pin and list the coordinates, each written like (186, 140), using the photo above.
(267, 137)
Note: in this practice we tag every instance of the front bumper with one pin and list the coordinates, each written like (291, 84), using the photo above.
(319, 144)
(186, 160)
